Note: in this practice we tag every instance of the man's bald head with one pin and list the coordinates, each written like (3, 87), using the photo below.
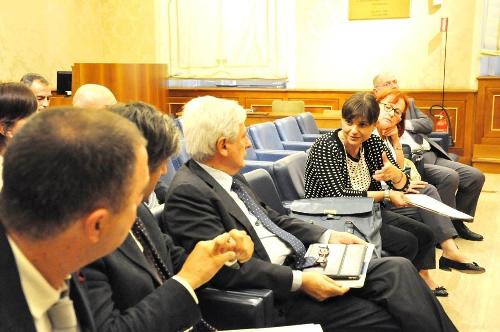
(93, 96)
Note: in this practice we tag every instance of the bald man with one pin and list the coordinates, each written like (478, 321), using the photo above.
(93, 96)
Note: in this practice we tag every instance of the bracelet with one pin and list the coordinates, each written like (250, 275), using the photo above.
(387, 195)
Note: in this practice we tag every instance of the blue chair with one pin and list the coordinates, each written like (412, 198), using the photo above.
(289, 174)
(263, 185)
(308, 125)
(289, 130)
(181, 157)
(178, 123)
(161, 187)
(265, 136)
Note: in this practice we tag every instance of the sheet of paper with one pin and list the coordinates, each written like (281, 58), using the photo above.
(290, 328)
(429, 203)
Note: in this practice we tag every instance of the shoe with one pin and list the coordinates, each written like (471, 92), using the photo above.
(465, 233)
(448, 264)
(440, 291)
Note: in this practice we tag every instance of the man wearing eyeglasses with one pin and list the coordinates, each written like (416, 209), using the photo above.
(459, 185)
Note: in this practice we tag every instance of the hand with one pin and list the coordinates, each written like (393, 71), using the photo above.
(244, 245)
(206, 259)
(398, 198)
(388, 172)
(345, 238)
(320, 287)
(414, 185)
(391, 132)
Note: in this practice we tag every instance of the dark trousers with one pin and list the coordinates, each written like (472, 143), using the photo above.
(406, 237)
(394, 298)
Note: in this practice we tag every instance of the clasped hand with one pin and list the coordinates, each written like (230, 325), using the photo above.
(208, 257)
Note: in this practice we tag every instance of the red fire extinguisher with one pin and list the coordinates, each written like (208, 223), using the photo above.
(441, 124)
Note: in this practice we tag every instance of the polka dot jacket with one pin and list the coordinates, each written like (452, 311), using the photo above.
(326, 167)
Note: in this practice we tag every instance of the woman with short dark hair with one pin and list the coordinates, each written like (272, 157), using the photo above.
(352, 162)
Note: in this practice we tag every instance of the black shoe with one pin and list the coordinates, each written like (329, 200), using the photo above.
(448, 264)
(465, 233)
(440, 291)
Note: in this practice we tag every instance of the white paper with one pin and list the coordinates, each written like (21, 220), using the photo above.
(429, 203)
(290, 328)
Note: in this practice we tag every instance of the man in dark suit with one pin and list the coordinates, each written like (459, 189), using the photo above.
(459, 185)
(148, 283)
(208, 197)
(67, 199)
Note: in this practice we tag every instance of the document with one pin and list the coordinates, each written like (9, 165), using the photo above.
(289, 328)
(429, 203)
(346, 264)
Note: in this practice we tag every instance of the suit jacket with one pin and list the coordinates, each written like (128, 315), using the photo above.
(15, 314)
(198, 208)
(422, 126)
(126, 294)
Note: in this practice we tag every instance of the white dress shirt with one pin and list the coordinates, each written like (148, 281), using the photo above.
(276, 249)
(39, 294)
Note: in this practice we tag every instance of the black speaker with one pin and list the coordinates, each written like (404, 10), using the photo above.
(63, 82)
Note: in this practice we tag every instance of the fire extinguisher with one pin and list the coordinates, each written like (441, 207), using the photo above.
(441, 124)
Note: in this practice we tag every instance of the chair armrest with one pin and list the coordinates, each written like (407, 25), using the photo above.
(442, 139)
(236, 309)
(310, 137)
(272, 155)
(297, 146)
(251, 165)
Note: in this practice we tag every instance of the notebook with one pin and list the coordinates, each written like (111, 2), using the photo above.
(345, 263)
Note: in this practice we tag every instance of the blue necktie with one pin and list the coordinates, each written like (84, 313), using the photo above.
(296, 245)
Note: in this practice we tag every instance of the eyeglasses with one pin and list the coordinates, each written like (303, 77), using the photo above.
(389, 108)
(392, 84)
(323, 256)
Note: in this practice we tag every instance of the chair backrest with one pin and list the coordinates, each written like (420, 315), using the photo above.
(289, 175)
(265, 136)
(178, 123)
(288, 129)
(161, 187)
(307, 124)
(182, 157)
(250, 154)
(289, 106)
(263, 185)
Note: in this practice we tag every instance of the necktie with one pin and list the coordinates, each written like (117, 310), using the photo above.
(296, 245)
(62, 314)
(153, 256)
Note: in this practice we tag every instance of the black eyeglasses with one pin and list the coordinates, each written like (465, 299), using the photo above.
(389, 108)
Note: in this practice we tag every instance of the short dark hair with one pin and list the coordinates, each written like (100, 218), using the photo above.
(16, 102)
(157, 128)
(29, 78)
(64, 164)
(361, 105)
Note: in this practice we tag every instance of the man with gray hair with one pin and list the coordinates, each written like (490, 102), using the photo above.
(208, 197)
(459, 185)
(40, 87)
(93, 96)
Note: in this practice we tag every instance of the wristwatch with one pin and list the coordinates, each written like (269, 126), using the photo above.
(387, 194)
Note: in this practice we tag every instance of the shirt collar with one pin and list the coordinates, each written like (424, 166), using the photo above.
(39, 294)
(225, 180)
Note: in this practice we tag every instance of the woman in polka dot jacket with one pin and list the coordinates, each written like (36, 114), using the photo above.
(352, 162)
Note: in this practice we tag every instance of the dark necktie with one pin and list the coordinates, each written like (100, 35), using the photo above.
(254, 208)
(154, 258)
(62, 314)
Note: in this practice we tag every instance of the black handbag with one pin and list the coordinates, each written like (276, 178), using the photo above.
(357, 215)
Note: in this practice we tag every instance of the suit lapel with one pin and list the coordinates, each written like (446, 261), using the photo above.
(131, 250)
(82, 306)
(15, 316)
(230, 206)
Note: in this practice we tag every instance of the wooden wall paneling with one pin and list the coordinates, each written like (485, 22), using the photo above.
(145, 82)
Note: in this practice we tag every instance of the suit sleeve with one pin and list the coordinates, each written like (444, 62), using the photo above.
(169, 307)
(193, 214)
(419, 120)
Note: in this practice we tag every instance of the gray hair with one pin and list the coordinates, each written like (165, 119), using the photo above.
(205, 120)
(29, 78)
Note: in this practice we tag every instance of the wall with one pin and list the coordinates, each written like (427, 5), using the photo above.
(333, 52)
(48, 35)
